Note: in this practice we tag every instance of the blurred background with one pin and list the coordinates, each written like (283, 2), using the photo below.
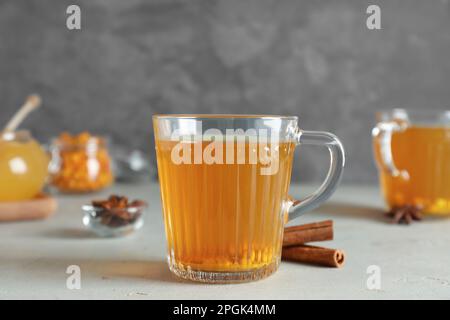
(315, 59)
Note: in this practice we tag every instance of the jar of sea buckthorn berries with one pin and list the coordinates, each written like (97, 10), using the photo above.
(80, 163)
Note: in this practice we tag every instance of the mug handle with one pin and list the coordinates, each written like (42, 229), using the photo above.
(382, 135)
(337, 161)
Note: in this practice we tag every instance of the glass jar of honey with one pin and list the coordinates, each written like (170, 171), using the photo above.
(23, 166)
(80, 163)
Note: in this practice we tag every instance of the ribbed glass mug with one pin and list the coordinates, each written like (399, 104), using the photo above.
(224, 183)
(412, 151)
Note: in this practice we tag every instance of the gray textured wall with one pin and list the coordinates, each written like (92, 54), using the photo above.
(311, 58)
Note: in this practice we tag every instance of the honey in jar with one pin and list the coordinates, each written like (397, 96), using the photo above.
(23, 166)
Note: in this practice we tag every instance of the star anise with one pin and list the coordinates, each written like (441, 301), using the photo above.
(405, 214)
(114, 212)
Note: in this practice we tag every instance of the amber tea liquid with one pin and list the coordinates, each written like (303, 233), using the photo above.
(223, 217)
(424, 152)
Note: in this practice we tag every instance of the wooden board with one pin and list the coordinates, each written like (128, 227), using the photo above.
(41, 207)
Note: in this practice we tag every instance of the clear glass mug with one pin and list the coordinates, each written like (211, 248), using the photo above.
(412, 151)
(224, 183)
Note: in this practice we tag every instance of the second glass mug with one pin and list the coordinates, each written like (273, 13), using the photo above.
(224, 216)
(412, 151)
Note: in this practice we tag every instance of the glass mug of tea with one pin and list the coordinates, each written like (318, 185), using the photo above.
(412, 151)
(224, 183)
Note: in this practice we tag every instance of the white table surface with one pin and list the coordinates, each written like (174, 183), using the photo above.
(414, 260)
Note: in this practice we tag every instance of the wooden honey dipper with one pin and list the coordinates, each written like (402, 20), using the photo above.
(31, 103)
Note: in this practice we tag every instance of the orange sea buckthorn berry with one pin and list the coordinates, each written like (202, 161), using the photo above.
(83, 137)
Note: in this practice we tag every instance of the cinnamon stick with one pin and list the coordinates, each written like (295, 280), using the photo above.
(316, 231)
(315, 255)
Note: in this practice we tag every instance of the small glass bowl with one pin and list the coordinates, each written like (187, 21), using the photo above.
(115, 222)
